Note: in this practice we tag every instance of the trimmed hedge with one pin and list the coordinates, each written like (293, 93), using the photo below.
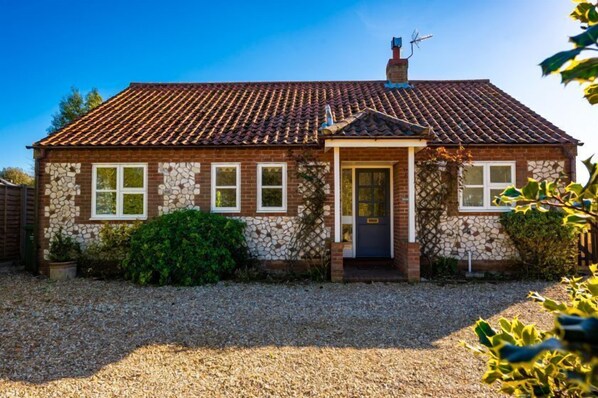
(546, 246)
(186, 247)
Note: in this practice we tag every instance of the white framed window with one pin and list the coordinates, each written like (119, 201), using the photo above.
(482, 182)
(272, 187)
(119, 191)
(226, 187)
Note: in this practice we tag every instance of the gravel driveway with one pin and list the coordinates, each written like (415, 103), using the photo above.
(95, 338)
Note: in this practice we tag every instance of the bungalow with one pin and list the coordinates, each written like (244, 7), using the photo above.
(228, 148)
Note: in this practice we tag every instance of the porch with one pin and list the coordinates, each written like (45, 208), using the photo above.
(374, 199)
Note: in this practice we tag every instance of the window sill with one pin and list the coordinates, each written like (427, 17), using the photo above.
(271, 211)
(141, 218)
(225, 210)
(484, 210)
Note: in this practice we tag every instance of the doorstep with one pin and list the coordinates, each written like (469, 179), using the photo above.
(371, 270)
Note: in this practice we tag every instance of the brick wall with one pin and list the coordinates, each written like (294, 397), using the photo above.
(249, 158)
(521, 155)
(481, 232)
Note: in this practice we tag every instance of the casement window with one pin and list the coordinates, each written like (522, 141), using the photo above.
(272, 187)
(226, 187)
(119, 191)
(482, 182)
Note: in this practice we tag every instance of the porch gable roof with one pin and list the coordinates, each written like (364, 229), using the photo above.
(370, 123)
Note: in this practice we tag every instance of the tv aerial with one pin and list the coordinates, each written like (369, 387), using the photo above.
(416, 39)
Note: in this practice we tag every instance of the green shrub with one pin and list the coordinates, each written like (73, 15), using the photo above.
(444, 267)
(63, 248)
(546, 246)
(104, 258)
(186, 247)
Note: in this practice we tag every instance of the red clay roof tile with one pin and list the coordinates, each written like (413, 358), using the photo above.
(290, 113)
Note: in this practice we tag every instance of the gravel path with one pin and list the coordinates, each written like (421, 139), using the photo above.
(95, 338)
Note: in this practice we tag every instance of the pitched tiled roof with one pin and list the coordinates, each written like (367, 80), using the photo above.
(286, 113)
(371, 123)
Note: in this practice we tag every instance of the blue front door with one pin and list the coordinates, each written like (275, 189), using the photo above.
(373, 212)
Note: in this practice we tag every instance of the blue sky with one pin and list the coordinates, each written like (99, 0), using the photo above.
(49, 46)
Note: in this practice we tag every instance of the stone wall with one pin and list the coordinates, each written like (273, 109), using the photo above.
(482, 235)
(61, 210)
(179, 187)
(545, 169)
(269, 237)
(459, 234)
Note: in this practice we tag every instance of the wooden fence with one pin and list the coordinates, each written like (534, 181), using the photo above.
(17, 211)
(588, 248)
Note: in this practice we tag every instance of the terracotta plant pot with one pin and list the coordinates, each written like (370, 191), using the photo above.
(63, 271)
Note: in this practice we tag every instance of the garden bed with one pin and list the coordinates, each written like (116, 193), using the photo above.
(112, 338)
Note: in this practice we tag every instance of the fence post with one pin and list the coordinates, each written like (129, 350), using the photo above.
(4, 222)
(23, 223)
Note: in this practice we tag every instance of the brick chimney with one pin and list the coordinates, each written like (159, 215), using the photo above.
(396, 69)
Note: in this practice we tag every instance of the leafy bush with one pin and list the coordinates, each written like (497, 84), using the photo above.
(563, 362)
(444, 267)
(546, 245)
(186, 247)
(63, 248)
(104, 258)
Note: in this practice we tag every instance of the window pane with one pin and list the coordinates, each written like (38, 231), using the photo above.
(365, 178)
(346, 192)
(272, 197)
(133, 177)
(365, 194)
(133, 204)
(500, 174)
(365, 210)
(347, 233)
(106, 178)
(380, 194)
(473, 175)
(272, 175)
(493, 194)
(105, 203)
(379, 178)
(226, 176)
(473, 197)
(226, 197)
(379, 210)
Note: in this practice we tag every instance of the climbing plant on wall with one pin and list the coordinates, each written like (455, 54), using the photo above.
(437, 178)
(308, 241)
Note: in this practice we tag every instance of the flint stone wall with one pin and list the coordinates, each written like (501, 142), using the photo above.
(179, 188)
(268, 237)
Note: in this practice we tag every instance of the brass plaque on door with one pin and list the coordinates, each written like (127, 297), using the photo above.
(373, 220)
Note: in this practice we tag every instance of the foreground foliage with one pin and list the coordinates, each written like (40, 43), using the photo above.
(546, 246)
(578, 202)
(186, 247)
(530, 362)
(572, 64)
